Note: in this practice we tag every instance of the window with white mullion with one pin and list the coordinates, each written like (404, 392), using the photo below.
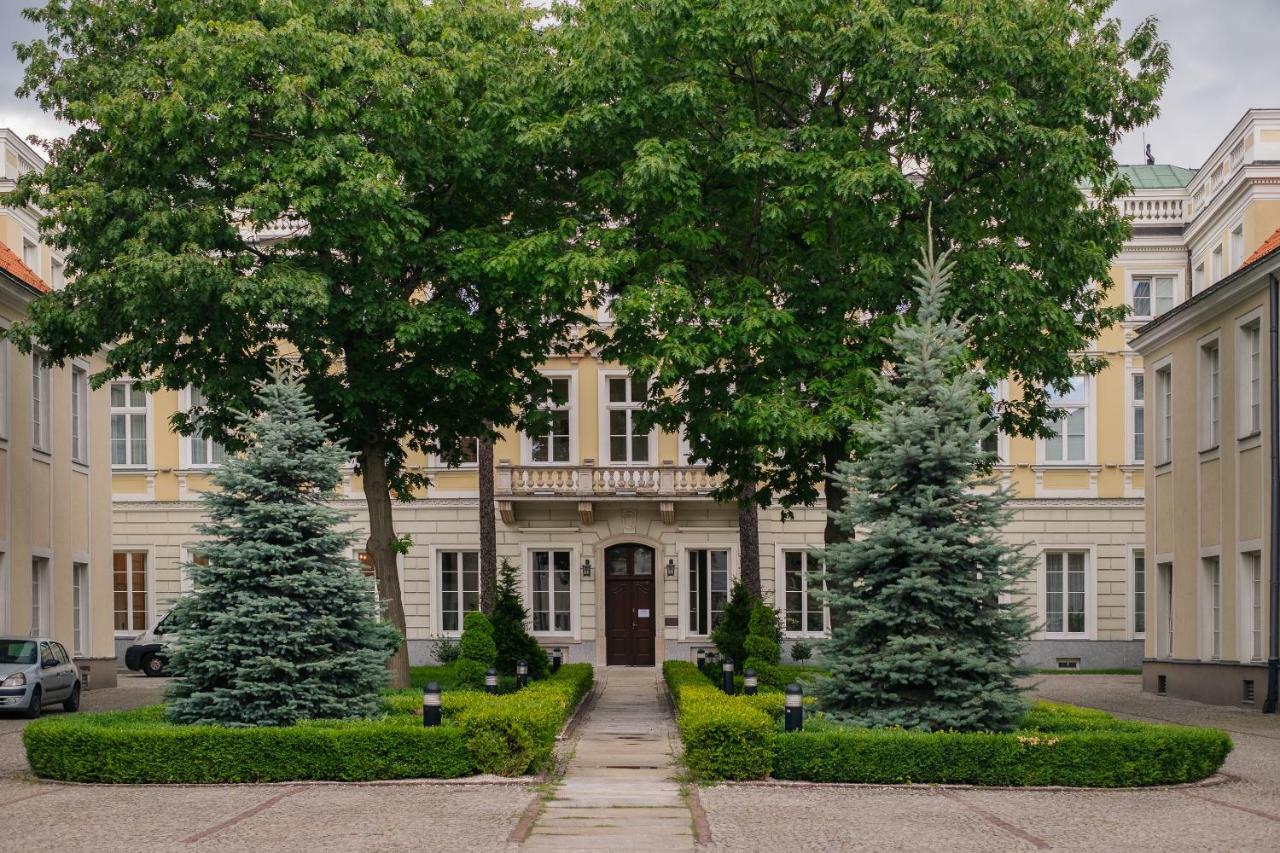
(79, 415)
(205, 452)
(1164, 420)
(1153, 295)
(1065, 593)
(1070, 442)
(459, 587)
(708, 588)
(552, 591)
(1139, 592)
(1213, 586)
(1138, 403)
(1249, 379)
(553, 445)
(40, 382)
(128, 425)
(802, 586)
(1210, 395)
(624, 400)
(1255, 590)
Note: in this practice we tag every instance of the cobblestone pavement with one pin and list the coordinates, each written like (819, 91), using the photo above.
(338, 818)
(1240, 815)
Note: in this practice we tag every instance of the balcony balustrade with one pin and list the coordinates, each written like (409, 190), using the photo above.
(591, 481)
(1154, 211)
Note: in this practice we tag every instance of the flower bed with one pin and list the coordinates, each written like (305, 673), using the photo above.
(739, 737)
(508, 735)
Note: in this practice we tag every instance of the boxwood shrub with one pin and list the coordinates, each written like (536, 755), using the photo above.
(510, 735)
(736, 737)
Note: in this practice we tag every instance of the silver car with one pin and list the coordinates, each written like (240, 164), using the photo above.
(34, 672)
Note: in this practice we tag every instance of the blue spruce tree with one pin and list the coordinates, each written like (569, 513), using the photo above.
(282, 626)
(924, 634)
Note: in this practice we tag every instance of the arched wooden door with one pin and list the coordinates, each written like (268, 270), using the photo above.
(628, 603)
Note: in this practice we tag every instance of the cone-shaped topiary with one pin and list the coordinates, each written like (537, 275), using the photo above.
(282, 626)
(477, 651)
(925, 633)
(513, 640)
(730, 631)
(763, 645)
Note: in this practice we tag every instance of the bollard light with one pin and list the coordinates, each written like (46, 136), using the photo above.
(491, 681)
(431, 704)
(702, 658)
(794, 708)
(522, 673)
(749, 682)
(726, 670)
(555, 660)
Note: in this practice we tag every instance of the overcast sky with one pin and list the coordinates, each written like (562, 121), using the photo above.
(1225, 60)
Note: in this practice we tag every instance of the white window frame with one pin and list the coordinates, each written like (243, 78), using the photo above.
(606, 449)
(186, 555)
(1253, 589)
(81, 610)
(1217, 261)
(80, 425)
(438, 461)
(1212, 604)
(526, 441)
(780, 590)
(1151, 276)
(1165, 604)
(4, 385)
(1088, 404)
(1139, 597)
(1161, 427)
(1249, 373)
(437, 564)
(1209, 392)
(31, 254)
(1090, 591)
(41, 411)
(575, 603)
(57, 274)
(149, 612)
(129, 411)
(41, 592)
(1237, 246)
(184, 456)
(682, 575)
(1134, 406)
(1197, 276)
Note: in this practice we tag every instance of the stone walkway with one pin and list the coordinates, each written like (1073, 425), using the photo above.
(619, 790)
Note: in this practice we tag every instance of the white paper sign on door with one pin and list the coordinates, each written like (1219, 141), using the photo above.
(643, 614)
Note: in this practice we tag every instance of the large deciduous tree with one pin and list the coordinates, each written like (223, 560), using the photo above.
(769, 165)
(423, 267)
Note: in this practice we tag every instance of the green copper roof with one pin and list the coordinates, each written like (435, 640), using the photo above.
(1160, 176)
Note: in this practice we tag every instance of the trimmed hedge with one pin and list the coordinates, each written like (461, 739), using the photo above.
(736, 737)
(508, 735)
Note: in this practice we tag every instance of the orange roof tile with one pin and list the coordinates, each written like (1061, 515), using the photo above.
(13, 265)
(1268, 246)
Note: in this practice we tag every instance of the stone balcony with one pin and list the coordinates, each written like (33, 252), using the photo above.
(588, 483)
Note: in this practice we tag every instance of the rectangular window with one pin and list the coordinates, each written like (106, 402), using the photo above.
(1152, 295)
(129, 590)
(1139, 592)
(1070, 441)
(1138, 444)
(1213, 601)
(1164, 414)
(1249, 373)
(1197, 278)
(1065, 592)
(1210, 396)
(79, 607)
(31, 255)
(1164, 573)
(625, 398)
(128, 425)
(1216, 262)
(552, 591)
(40, 596)
(553, 445)
(79, 415)
(39, 402)
(205, 452)
(803, 584)
(57, 276)
(186, 580)
(459, 587)
(1237, 247)
(1256, 592)
(708, 588)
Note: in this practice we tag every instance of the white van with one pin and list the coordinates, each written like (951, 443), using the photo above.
(147, 654)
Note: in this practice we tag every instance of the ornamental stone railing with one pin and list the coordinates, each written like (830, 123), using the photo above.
(589, 480)
(1147, 210)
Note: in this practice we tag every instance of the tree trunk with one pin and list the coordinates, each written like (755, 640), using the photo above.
(488, 527)
(381, 548)
(749, 540)
(833, 455)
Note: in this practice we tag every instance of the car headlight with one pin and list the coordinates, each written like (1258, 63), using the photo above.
(15, 680)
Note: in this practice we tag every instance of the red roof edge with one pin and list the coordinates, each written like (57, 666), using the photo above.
(1268, 246)
(13, 265)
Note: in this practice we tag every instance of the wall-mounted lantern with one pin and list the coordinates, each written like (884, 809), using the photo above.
(586, 568)
(671, 567)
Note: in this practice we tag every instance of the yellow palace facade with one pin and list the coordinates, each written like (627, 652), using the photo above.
(625, 559)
